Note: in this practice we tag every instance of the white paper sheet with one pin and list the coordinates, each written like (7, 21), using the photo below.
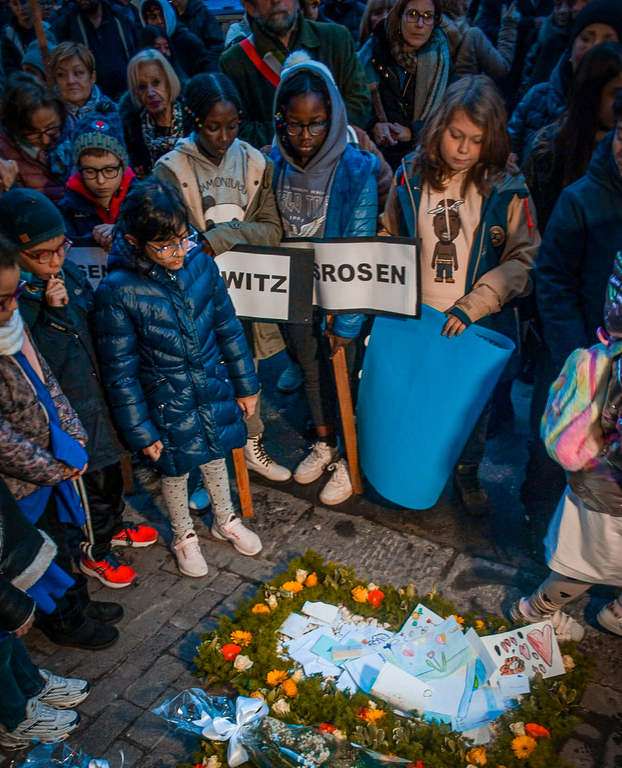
(401, 690)
(294, 625)
(321, 611)
(530, 650)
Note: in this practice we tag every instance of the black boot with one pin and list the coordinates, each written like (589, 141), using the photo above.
(70, 627)
(473, 497)
(107, 613)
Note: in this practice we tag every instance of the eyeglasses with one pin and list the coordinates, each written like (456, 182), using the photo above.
(315, 129)
(46, 256)
(53, 133)
(170, 251)
(8, 299)
(109, 172)
(412, 16)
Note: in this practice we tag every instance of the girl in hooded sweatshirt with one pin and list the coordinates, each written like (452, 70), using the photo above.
(324, 188)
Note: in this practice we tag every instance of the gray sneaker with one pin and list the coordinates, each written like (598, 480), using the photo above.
(62, 692)
(42, 724)
(564, 626)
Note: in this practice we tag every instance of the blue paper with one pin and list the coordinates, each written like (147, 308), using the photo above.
(419, 399)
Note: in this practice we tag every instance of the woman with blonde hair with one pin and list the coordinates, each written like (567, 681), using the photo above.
(151, 110)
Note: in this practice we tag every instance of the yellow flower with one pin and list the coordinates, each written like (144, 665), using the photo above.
(479, 624)
(359, 594)
(292, 586)
(241, 638)
(311, 580)
(276, 677)
(477, 756)
(258, 695)
(289, 688)
(261, 608)
(523, 746)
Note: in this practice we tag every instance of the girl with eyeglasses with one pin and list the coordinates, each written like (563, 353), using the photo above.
(408, 68)
(33, 134)
(102, 180)
(324, 188)
(178, 371)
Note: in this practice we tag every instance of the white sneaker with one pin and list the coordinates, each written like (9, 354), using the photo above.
(609, 619)
(339, 487)
(62, 692)
(290, 380)
(199, 500)
(316, 462)
(566, 628)
(246, 542)
(190, 560)
(258, 461)
(43, 724)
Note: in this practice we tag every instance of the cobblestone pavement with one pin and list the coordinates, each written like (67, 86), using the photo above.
(166, 614)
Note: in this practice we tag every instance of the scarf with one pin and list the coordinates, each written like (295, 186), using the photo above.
(90, 106)
(160, 145)
(12, 335)
(431, 65)
(58, 160)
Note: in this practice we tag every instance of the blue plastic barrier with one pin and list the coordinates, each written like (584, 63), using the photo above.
(419, 399)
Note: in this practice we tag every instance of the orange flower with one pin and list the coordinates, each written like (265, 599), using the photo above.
(261, 608)
(289, 688)
(241, 638)
(459, 619)
(360, 594)
(479, 624)
(328, 727)
(375, 597)
(292, 586)
(523, 746)
(311, 580)
(258, 695)
(477, 756)
(370, 715)
(536, 731)
(230, 651)
(276, 677)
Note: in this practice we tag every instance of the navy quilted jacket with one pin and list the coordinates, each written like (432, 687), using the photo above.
(173, 357)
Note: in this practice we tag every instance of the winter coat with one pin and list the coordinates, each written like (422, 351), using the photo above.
(543, 104)
(31, 173)
(14, 40)
(25, 555)
(198, 18)
(348, 13)
(25, 459)
(472, 52)
(329, 43)
(82, 212)
(575, 260)
(498, 271)
(352, 210)
(544, 54)
(63, 337)
(187, 48)
(163, 337)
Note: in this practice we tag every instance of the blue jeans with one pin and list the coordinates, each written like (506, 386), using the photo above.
(19, 681)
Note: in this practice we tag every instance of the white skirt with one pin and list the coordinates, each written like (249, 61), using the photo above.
(583, 543)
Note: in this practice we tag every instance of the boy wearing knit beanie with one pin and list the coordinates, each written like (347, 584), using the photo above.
(95, 192)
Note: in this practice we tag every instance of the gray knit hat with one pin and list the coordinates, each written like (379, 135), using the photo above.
(101, 131)
(33, 55)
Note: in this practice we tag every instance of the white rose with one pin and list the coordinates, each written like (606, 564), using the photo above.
(301, 575)
(339, 735)
(273, 603)
(242, 663)
(568, 662)
(518, 729)
(281, 707)
(298, 676)
(371, 586)
(213, 762)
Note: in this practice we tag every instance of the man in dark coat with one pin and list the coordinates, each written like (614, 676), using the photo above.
(279, 28)
(107, 32)
(348, 13)
(197, 17)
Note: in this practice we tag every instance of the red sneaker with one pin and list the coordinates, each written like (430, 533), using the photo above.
(135, 536)
(109, 571)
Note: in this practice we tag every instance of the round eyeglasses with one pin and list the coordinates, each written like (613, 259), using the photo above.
(46, 256)
(315, 129)
(170, 251)
(109, 172)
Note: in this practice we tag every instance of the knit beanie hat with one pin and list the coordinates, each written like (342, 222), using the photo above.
(598, 12)
(102, 132)
(28, 218)
(33, 55)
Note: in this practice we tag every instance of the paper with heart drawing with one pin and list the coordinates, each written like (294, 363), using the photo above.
(526, 651)
(418, 624)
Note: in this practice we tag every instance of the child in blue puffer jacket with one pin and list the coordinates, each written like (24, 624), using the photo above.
(324, 188)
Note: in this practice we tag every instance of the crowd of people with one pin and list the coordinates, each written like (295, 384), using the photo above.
(491, 132)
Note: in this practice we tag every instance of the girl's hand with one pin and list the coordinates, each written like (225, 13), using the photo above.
(383, 135)
(25, 627)
(401, 132)
(336, 342)
(56, 293)
(9, 171)
(248, 404)
(154, 451)
(453, 327)
(72, 473)
(102, 234)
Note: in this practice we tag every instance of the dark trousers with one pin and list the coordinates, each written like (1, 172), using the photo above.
(19, 681)
(104, 508)
(473, 452)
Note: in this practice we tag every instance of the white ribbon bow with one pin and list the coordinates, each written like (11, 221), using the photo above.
(247, 712)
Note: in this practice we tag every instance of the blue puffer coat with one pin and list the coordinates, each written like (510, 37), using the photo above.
(163, 337)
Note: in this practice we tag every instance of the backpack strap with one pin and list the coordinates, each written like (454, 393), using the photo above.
(247, 45)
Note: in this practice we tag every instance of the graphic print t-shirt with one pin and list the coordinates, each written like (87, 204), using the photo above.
(223, 187)
(447, 225)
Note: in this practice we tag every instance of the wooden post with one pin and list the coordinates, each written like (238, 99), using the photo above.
(344, 395)
(35, 10)
(244, 485)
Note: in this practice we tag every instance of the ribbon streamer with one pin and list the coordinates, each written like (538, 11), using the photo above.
(247, 712)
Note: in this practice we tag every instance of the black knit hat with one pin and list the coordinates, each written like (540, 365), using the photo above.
(28, 218)
(101, 131)
(598, 12)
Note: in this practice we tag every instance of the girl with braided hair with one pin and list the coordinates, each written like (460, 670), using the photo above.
(227, 187)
